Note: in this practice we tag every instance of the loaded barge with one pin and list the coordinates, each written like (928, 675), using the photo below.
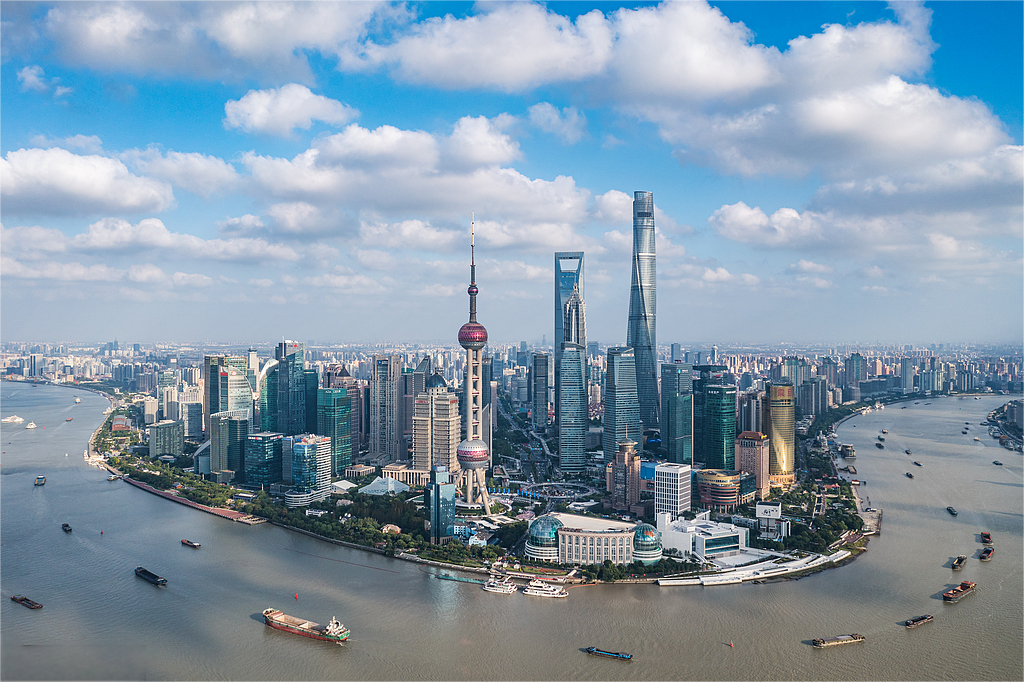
(334, 631)
(919, 620)
(594, 651)
(149, 576)
(959, 592)
(836, 641)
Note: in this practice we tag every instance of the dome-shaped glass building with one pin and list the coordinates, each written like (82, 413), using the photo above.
(646, 544)
(542, 542)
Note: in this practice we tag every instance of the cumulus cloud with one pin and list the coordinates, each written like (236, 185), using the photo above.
(480, 141)
(382, 148)
(31, 78)
(147, 273)
(90, 144)
(568, 124)
(408, 234)
(197, 173)
(809, 266)
(785, 227)
(279, 111)
(614, 207)
(66, 272)
(31, 242)
(241, 226)
(57, 182)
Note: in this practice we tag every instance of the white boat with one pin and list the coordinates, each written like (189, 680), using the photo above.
(13, 419)
(545, 590)
(77, 401)
(112, 477)
(505, 586)
(30, 425)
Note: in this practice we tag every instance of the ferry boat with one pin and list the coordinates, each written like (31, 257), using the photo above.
(189, 543)
(545, 590)
(959, 562)
(40, 480)
(65, 527)
(25, 601)
(917, 464)
(78, 401)
(976, 438)
(30, 425)
(918, 620)
(986, 537)
(910, 475)
(594, 651)
(837, 641)
(951, 510)
(986, 554)
(112, 477)
(69, 419)
(149, 576)
(13, 419)
(505, 586)
(959, 592)
(334, 631)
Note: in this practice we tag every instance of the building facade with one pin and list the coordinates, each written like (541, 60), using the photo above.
(621, 402)
(672, 488)
(439, 503)
(540, 380)
(166, 437)
(385, 423)
(310, 469)
(624, 483)
(677, 412)
(583, 540)
(641, 329)
(334, 420)
(780, 416)
(752, 457)
(436, 428)
(263, 453)
(720, 426)
(568, 277)
(572, 426)
(228, 433)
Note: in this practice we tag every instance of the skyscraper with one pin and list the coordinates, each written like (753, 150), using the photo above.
(568, 276)
(621, 404)
(436, 427)
(225, 386)
(625, 476)
(640, 332)
(677, 412)
(572, 429)
(473, 454)
(385, 425)
(540, 381)
(263, 453)
(752, 457)
(439, 503)
(310, 469)
(720, 426)
(228, 433)
(780, 421)
(334, 420)
(291, 388)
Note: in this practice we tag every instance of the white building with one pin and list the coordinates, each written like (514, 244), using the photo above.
(672, 488)
(705, 539)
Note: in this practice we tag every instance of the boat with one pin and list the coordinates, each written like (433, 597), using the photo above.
(149, 576)
(918, 620)
(77, 401)
(65, 527)
(30, 425)
(917, 464)
(986, 554)
(112, 477)
(886, 431)
(334, 631)
(959, 592)
(910, 475)
(879, 446)
(964, 432)
(13, 419)
(505, 586)
(951, 510)
(836, 641)
(959, 562)
(25, 601)
(881, 438)
(976, 438)
(69, 419)
(545, 590)
(189, 543)
(908, 452)
(40, 480)
(594, 651)
(986, 537)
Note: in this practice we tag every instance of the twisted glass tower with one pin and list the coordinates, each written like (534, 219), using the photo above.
(640, 333)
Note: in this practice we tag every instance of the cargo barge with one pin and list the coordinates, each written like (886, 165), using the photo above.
(959, 562)
(25, 601)
(149, 576)
(919, 620)
(837, 641)
(594, 651)
(986, 554)
(959, 592)
(334, 631)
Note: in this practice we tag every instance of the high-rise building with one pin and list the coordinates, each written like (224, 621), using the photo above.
(672, 486)
(191, 413)
(164, 380)
(263, 452)
(677, 412)
(439, 503)
(625, 476)
(166, 437)
(643, 303)
(311, 380)
(752, 452)
(334, 420)
(856, 369)
(568, 277)
(436, 427)
(225, 387)
(572, 428)
(779, 416)
(813, 397)
(228, 433)
(310, 469)
(720, 426)
(385, 425)
(749, 410)
(677, 352)
(473, 454)
(539, 377)
(908, 367)
(621, 403)
(291, 388)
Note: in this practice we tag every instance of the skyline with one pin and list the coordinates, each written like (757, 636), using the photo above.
(310, 171)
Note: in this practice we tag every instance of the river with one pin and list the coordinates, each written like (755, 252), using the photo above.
(101, 622)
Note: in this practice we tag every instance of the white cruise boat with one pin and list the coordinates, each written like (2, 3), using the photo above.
(30, 425)
(13, 419)
(505, 586)
(78, 401)
(544, 590)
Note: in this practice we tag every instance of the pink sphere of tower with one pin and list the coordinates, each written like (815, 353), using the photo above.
(472, 454)
(473, 336)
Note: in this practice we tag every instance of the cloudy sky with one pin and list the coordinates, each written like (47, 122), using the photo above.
(822, 172)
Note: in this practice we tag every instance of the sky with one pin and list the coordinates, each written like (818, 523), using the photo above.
(847, 172)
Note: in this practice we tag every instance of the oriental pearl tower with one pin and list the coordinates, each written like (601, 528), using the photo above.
(472, 453)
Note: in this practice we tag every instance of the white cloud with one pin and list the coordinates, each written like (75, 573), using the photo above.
(278, 111)
(262, 283)
(57, 182)
(197, 173)
(31, 78)
(480, 141)
(67, 272)
(614, 207)
(241, 226)
(408, 234)
(817, 282)
(297, 217)
(785, 227)
(31, 242)
(810, 266)
(382, 148)
(193, 280)
(90, 144)
(568, 124)
(147, 273)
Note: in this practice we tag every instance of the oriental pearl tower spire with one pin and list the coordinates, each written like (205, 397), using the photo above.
(472, 453)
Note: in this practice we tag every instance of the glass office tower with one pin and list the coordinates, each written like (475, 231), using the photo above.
(621, 405)
(572, 429)
(640, 331)
(334, 420)
(720, 427)
(677, 412)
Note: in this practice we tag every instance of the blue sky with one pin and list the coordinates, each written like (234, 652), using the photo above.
(822, 172)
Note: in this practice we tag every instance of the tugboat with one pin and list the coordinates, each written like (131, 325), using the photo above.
(959, 592)
(25, 601)
(959, 562)
(149, 576)
(65, 527)
(189, 543)
(837, 641)
(986, 537)
(334, 631)
(594, 651)
(910, 475)
(951, 510)
(919, 620)
(40, 480)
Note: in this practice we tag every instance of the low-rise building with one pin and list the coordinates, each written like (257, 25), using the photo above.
(703, 538)
(572, 539)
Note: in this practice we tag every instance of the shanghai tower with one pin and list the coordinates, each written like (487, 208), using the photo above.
(640, 334)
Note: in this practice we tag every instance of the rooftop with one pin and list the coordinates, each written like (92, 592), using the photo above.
(589, 523)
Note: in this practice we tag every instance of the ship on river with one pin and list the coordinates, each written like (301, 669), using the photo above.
(334, 631)
(837, 641)
(959, 592)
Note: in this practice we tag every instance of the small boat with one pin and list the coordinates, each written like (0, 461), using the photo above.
(149, 576)
(77, 401)
(918, 620)
(881, 438)
(908, 452)
(886, 431)
(959, 592)
(951, 510)
(879, 446)
(917, 464)
(65, 527)
(594, 651)
(976, 438)
(997, 462)
(189, 543)
(30, 425)
(986, 554)
(334, 631)
(112, 477)
(40, 480)
(986, 537)
(959, 562)
(25, 601)
(837, 641)
(910, 475)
